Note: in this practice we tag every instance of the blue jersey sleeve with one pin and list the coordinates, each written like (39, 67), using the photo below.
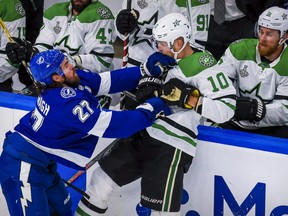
(125, 79)
(110, 82)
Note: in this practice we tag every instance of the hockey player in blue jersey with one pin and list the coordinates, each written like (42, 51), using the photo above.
(64, 127)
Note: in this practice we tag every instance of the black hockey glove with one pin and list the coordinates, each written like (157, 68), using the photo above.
(249, 109)
(157, 64)
(176, 92)
(148, 87)
(18, 51)
(126, 20)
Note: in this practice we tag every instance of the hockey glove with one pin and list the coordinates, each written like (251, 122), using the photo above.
(249, 109)
(157, 64)
(176, 92)
(148, 87)
(18, 51)
(154, 107)
(126, 20)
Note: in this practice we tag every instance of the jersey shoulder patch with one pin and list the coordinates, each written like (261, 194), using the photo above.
(195, 63)
(11, 10)
(95, 11)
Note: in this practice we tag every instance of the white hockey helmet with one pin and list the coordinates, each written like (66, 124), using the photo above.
(274, 18)
(171, 27)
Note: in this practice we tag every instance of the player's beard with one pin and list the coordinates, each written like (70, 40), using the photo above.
(73, 82)
(79, 5)
(266, 50)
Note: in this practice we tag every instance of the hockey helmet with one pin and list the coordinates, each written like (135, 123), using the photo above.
(46, 63)
(171, 27)
(274, 18)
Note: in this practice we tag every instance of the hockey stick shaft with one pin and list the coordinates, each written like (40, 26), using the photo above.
(126, 42)
(188, 6)
(100, 155)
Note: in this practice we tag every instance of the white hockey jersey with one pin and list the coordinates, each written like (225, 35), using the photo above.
(255, 78)
(151, 11)
(218, 102)
(198, 12)
(140, 45)
(13, 16)
(90, 34)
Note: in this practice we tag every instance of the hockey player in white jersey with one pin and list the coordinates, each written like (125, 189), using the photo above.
(84, 29)
(64, 127)
(146, 13)
(13, 15)
(161, 154)
(259, 69)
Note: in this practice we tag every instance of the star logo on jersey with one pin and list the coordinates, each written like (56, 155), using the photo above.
(284, 16)
(254, 91)
(64, 43)
(176, 23)
(67, 92)
(143, 31)
(243, 71)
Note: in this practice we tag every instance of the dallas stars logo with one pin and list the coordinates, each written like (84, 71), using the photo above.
(176, 23)
(143, 31)
(254, 91)
(64, 43)
(284, 16)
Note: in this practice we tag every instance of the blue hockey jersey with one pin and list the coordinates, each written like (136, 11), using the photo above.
(67, 122)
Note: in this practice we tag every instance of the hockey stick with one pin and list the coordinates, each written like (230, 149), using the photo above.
(99, 156)
(126, 42)
(188, 6)
(8, 35)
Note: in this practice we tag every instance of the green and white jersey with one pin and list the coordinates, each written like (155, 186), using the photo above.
(218, 102)
(198, 12)
(89, 35)
(13, 16)
(140, 44)
(255, 78)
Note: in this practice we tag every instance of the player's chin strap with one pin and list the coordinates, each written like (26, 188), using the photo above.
(176, 53)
